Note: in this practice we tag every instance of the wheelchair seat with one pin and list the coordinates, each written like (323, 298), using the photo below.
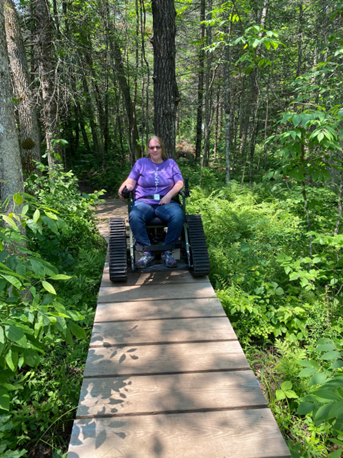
(155, 221)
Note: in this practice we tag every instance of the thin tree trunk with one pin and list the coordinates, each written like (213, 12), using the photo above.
(255, 98)
(227, 104)
(28, 123)
(125, 90)
(216, 126)
(300, 34)
(208, 98)
(47, 71)
(10, 165)
(339, 206)
(200, 83)
(90, 113)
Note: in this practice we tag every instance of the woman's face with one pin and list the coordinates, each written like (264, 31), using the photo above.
(155, 151)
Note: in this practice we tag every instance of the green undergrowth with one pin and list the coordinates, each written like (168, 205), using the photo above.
(285, 306)
(52, 259)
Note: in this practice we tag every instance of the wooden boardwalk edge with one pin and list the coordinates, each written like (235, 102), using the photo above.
(166, 376)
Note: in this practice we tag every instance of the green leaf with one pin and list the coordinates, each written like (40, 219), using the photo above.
(307, 372)
(336, 364)
(326, 394)
(336, 454)
(18, 199)
(322, 414)
(336, 410)
(296, 120)
(48, 287)
(10, 222)
(51, 215)
(60, 277)
(305, 408)
(13, 280)
(31, 358)
(78, 332)
(16, 335)
(38, 268)
(51, 224)
(279, 291)
(317, 379)
(36, 216)
(330, 355)
(11, 387)
(286, 385)
(291, 394)
(4, 399)
(11, 359)
(326, 347)
(280, 395)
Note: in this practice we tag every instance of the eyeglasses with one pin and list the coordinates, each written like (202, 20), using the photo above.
(155, 147)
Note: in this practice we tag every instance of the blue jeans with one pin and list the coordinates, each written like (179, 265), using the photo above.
(141, 213)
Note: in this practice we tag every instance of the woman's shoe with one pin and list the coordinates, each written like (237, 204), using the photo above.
(146, 260)
(168, 260)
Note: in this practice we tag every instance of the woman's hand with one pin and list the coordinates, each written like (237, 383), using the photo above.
(130, 186)
(165, 200)
(175, 190)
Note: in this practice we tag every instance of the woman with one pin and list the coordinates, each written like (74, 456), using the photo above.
(156, 181)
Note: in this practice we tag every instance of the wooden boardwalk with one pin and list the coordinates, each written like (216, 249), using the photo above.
(166, 377)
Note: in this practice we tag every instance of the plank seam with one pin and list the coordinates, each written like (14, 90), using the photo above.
(237, 369)
(153, 284)
(205, 298)
(170, 412)
(125, 344)
(157, 299)
(162, 319)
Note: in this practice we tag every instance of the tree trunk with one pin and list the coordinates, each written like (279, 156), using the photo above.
(29, 131)
(208, 92)
(125, 90)
(90, 113)
(300, 34)
(47, 70)
(216, 128)
(200, 82)
(10, 165)
(166, 94)
(227, 106)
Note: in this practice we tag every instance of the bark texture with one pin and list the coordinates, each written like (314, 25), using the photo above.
(125, 90)
(166, 94)
(10, 164)
(28, 122)
(200, 82)
(48, 79)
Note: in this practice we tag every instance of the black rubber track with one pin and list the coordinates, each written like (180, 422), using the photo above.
(117, 250)
(199, 252)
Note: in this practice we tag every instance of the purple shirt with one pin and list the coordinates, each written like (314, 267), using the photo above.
(154, 178)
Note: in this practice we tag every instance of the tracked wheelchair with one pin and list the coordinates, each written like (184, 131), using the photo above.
(190, 251)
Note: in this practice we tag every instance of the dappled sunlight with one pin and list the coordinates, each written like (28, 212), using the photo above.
(161, 331)
(166, 377)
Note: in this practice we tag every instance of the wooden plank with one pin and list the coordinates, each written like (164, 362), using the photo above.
(228, 434)
(162, 331)
(169, 393)
(181, 308)
(155, 292)
(156, 278)
(169, 358)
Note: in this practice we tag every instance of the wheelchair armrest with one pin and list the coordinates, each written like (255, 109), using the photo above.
(126, 193)
(185, 192)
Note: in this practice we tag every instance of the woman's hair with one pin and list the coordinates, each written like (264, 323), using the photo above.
(164, 157)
